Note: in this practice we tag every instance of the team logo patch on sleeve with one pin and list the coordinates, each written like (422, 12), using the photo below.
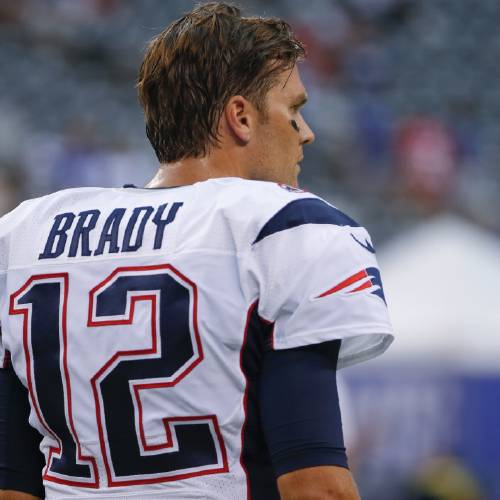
(366, 279)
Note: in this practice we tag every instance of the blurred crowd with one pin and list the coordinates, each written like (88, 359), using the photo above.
(403, 101)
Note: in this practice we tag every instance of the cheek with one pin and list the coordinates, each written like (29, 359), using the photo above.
(278, 141)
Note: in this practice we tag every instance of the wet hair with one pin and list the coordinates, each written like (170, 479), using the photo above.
(193, 67)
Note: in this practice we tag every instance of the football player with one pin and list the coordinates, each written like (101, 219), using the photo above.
(182, 340)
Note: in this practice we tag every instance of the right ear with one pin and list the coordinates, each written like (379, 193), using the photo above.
(239, 115)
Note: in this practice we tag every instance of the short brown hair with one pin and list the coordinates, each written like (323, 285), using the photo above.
(198, 63)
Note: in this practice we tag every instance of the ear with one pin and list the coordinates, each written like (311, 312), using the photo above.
(239, 118)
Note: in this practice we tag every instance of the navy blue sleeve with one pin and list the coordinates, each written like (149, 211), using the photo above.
(300, 411)
(21, 461)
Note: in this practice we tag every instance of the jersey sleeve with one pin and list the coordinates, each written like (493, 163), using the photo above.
(318, 280)
(4, 355)
(21, 461)
(8, 223)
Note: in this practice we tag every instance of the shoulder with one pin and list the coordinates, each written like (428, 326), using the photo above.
(28, 215)
(299, 211)
(17, 216)
(269, 208)
(39, 207)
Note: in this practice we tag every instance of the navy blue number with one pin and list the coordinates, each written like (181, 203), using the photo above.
(175, 351)
(48, 378)
(193, 445)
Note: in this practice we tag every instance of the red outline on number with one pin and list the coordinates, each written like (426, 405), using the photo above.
(24, 311)
(129, 321)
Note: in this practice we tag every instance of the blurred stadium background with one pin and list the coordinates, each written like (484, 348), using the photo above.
(405, 104)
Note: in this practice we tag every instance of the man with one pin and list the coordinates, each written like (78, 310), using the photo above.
(181, 340)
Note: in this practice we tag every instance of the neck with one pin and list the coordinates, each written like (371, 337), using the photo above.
(218, 163)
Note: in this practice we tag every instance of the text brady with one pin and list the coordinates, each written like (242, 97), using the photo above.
(71, 233)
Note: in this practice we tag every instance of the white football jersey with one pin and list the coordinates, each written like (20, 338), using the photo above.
(137, 319)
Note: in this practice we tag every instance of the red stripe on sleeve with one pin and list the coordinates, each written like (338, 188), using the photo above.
(349, 281)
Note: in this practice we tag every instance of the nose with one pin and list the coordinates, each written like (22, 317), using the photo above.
(306, 134)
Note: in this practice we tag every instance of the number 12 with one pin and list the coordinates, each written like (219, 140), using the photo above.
(193, 445)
